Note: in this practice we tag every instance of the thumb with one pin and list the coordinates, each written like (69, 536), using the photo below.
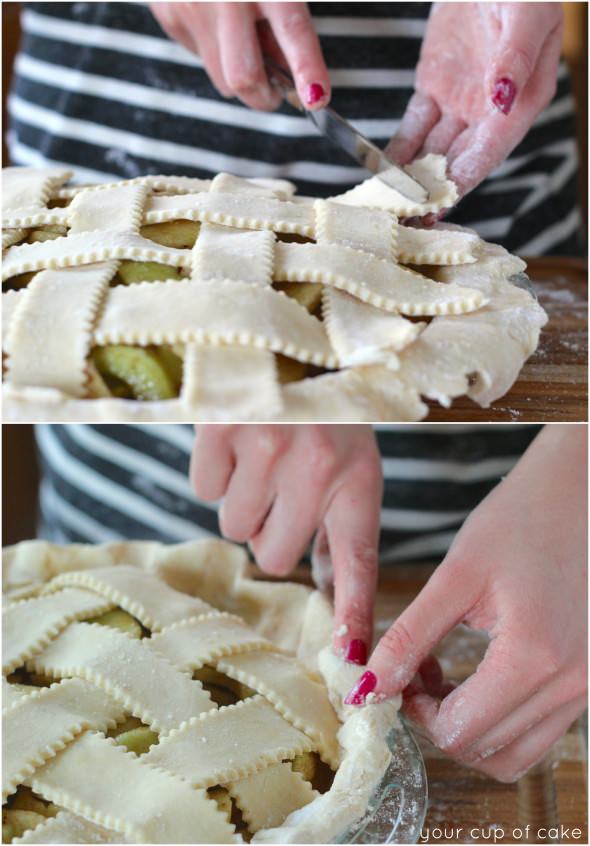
(515, 58)
(444, 601)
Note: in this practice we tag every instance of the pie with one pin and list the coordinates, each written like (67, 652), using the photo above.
(172, 298)
(160, 694)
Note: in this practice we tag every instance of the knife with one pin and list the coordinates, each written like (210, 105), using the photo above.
(344, 135)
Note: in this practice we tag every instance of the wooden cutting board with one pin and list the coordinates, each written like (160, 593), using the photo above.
(553, 385)
(466, 807)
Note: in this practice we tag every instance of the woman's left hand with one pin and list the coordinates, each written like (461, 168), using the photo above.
(486, 71)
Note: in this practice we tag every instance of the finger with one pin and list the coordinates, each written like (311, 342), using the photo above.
(293, 29)
(167, 16)
(432, 676)
(518, 51)
(442, 135)
(447, 688)
(420, 116)
(195, 32)
(512, 762)
(352, 523)
(322, 571)
(536, 708)
(269, 44)
(443, 602)
(478, 150)
(421, 708)
(499, 683)
(212, 461)
(241, 57)
(250, 491)
(287, 531)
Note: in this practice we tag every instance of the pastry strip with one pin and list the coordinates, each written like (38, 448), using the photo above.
(371, 230)
(38, 726)
(295, 695)
(242, 210)
(230, 383)
(29, 625)
(70, 828)
(191, 643)
(267, 798)
(364, 395)
(373, 280)
(116, 209)
(146, 685)
(12, 693)
(35, 217)
(50, 331)
(165, 184)
(28, 187)
(225, 253)
(87, 248)
(361, 334)
(227, 183)
(10, 302)
(12, 236)
(213, 312)
(143, 595)
(435, 246)
(228, 744)
(430, 171)
(145, 804)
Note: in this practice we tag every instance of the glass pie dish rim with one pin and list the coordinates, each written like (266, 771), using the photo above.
(398, 806)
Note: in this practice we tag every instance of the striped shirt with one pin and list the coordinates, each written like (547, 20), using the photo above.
(99, 87)
(113, 482)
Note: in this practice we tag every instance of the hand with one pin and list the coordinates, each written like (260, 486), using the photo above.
(282, 483)
(517, 570)
(486, 70)
(230, 43)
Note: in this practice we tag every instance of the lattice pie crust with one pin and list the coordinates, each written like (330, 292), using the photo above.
(104, 645)
(273, 307)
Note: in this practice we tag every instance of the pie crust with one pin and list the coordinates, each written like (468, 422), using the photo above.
(199, 608)
(405, 313)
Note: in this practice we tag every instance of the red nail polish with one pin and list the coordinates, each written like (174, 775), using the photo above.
(365, 685)
(503, 95)
(356, 652)
(314, 93)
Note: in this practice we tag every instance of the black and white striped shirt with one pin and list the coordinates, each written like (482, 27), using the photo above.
(99, 87)
(111, 482)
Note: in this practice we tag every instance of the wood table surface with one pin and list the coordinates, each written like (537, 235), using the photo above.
(553, 384)
(466, 807)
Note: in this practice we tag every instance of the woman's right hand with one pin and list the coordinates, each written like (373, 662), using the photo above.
(230, 43)
(281, 484)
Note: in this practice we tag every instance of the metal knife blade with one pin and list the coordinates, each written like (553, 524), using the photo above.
(344, 135)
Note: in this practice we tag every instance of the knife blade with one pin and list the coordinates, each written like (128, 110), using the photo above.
(341, 133)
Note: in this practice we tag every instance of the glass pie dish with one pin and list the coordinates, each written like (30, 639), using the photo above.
(398, 806)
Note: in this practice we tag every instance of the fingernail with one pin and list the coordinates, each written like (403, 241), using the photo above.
(503, 95)
(356, 652)
(365, 685)
(313, 93)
